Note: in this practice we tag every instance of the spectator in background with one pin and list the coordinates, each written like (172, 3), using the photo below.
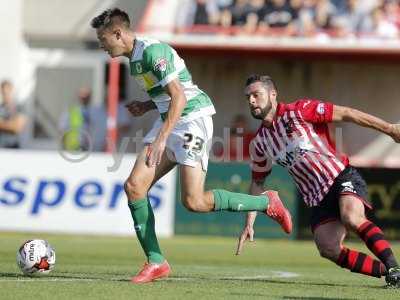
(205, 12)
(252, 18)
(319, 11)
(352, 21)
(314, 17)
(324, 12)
(381, 27)
(278, 14)
(197, 12)
(239, 12)
(224, 16)
(392, 12)
(84, 126)
(12, 119)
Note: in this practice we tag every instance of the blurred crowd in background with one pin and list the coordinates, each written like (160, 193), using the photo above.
(303, 18)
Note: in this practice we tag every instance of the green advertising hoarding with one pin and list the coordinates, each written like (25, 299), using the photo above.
(235, 177)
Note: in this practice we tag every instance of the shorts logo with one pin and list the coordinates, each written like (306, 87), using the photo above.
(321, 108)
(348, 187)
(161, 65)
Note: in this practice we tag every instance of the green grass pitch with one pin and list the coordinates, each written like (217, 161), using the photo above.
(203, 268)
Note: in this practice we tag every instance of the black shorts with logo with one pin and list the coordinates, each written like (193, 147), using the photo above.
(349, 181)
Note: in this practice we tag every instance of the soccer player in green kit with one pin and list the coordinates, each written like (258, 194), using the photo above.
(178, 137)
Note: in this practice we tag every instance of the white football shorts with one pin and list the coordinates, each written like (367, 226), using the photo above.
(189, 142)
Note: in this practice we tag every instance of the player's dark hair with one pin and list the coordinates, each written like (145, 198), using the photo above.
(265, 79)
(111, 17)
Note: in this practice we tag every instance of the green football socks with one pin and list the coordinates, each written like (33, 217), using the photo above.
(225, 200)
(143, 218)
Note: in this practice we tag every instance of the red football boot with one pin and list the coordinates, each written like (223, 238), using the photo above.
(277, 211)
(151, 272)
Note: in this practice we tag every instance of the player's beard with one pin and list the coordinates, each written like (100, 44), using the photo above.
(263, 111)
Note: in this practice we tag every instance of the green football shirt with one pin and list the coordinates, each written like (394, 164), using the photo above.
(154, 64)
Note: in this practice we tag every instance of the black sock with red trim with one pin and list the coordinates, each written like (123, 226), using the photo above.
(375, 240)
(359, 262)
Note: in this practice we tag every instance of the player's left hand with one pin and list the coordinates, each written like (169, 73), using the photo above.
(156, 151)
(395, 134)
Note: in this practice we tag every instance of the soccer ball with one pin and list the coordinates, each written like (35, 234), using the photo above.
(36, 257)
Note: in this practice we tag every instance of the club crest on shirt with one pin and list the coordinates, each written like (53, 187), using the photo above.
(321, 108)
(160, 65)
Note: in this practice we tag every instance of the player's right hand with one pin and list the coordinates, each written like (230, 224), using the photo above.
(137, 108)
(247, 234)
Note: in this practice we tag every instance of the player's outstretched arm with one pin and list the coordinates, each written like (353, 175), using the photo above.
(178, 103)
(347, 114)
(256, 188)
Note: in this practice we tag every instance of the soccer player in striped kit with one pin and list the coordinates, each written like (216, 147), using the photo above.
(296, 137)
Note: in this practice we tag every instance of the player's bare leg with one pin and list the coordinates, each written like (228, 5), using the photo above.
(194, 198)
(137, 185)
(352, 211)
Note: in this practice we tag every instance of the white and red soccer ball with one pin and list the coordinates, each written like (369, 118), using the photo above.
(36, 257)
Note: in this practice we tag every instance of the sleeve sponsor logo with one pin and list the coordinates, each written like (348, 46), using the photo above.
(161, 65)
(321, 108)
